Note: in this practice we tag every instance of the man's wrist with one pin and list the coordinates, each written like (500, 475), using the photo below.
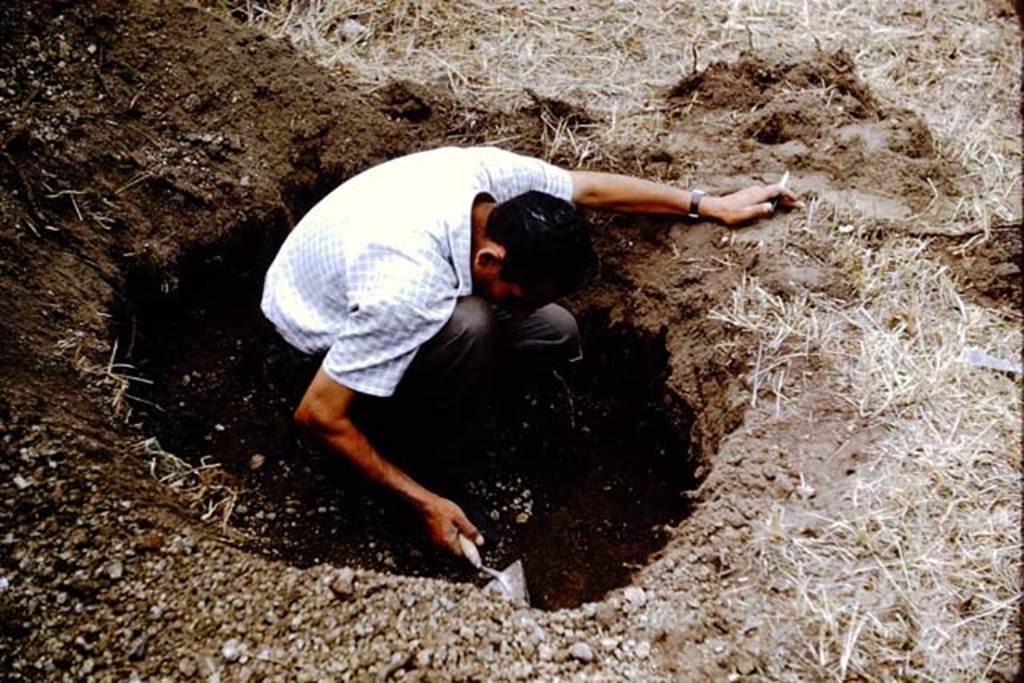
(708, 207)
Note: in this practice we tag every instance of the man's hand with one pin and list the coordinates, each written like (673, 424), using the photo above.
(748, 204)
(324, 410)
(445, 520)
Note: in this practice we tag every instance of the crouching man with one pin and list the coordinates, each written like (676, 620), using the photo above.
(413, 276)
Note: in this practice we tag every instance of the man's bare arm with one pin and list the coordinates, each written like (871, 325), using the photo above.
(324, 410)
(635, 195)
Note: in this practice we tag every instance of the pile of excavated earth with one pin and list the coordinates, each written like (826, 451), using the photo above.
(161, 520)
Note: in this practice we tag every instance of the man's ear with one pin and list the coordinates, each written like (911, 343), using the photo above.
(490, 257)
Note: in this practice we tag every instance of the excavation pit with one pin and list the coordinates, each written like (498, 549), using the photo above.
(579, 472)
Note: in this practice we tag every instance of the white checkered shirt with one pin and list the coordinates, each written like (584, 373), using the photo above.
(374, 270)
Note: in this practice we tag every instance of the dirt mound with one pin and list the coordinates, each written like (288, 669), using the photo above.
(813, 116)
(755, 80)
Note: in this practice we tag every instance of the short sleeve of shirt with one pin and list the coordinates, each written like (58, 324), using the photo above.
(510, 175)
(395, 304)
(376, 344)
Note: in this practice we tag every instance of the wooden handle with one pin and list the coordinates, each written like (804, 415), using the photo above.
(470, 552)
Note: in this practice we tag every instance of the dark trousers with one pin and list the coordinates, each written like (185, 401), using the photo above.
(443, 393)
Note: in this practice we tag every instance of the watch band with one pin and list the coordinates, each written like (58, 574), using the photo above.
(695, 196)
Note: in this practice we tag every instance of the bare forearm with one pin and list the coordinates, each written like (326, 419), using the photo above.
(627, 194)
(349, 441)
(636, 195)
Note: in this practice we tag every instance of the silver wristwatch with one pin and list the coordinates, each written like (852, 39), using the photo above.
(695, 196)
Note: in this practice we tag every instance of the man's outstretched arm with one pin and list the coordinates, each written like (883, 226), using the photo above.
(324, 410)
(636, 195)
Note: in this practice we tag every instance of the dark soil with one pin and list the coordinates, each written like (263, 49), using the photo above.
(577, 471)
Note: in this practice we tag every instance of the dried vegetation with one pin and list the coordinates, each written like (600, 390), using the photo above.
(919, 576)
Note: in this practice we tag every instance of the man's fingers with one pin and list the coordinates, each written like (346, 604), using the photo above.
(752, 212)
(790, 198)
(468, 530)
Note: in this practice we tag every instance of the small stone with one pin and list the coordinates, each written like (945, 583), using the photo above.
(245, 181)
(149, 542)
(155, 612)
(582, 652)
(545, 652)
(230, 650)
(343, 583)
(206, 667)
(115, 570)
(21, 482)
(635, 596)
(522, 518)
(219, 427)
(192, 103)
(187, 667)
(353, 30)
(138, 649)
(643, 649)
(88, 666)
(605, 614)
(256, 461)
(745, 664)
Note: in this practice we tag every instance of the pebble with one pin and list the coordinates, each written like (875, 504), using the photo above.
(643, 649)
(582, 652)
(21, 482)
(206, 667)
(605, 614)
(343, 583)
(745, 664)
(138, 649)
(187, 667)
(115, 570)
(230, 650)
(522, 518)
(635, 596)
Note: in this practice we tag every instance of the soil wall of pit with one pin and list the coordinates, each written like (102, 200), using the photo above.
(160, 152)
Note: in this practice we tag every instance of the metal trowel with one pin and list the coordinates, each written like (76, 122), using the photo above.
(510, 583)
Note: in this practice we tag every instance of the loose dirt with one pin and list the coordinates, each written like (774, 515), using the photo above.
(155, 157)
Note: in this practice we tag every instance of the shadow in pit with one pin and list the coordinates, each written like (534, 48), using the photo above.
(577, 473)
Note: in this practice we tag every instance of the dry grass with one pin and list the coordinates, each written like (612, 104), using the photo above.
(205, 487)
(918, 577)
(111, 377)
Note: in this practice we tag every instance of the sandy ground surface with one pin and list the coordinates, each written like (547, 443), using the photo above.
(154, 156)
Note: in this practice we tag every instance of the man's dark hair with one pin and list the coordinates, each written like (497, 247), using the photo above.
(546, 240)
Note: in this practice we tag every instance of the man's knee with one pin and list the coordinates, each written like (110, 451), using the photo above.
(564, 330)
(472, 323)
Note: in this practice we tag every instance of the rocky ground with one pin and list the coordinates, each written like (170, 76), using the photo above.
(145, 144)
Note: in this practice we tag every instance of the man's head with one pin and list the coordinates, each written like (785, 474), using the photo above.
(534, 248)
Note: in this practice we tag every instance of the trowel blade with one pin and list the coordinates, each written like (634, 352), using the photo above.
(515, 583)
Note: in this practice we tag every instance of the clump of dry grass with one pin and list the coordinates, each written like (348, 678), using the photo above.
(111, 377)
(205, 487)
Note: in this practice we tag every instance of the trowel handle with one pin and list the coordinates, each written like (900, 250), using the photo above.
(470, 552)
